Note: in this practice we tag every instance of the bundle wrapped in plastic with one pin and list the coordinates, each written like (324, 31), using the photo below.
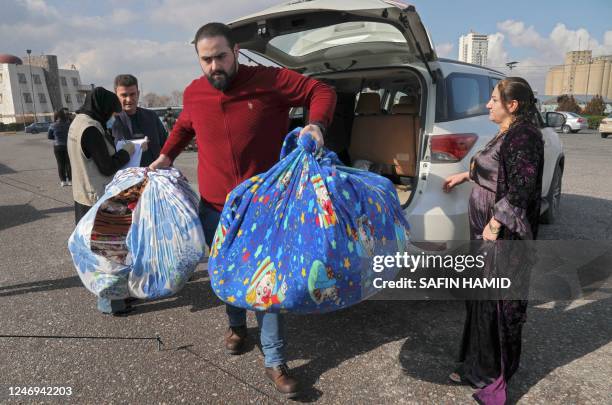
(142, 239)
(301, 236)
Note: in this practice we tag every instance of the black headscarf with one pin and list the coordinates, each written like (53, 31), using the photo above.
(100, 105)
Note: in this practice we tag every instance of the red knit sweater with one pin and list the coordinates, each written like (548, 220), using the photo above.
(240, 131)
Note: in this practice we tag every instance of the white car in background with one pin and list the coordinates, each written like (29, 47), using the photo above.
(573, 122)
(605, 126)
(411, 116)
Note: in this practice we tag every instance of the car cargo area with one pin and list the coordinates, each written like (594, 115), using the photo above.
(377, 124)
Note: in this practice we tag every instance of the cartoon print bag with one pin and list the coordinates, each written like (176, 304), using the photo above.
(148, 251)
(301, 236)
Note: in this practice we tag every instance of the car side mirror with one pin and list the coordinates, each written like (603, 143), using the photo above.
(554, 119)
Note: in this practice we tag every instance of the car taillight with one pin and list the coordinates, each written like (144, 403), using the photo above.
(451, 148)
(580, 120)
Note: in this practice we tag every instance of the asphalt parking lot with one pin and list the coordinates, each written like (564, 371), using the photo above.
(374, 352)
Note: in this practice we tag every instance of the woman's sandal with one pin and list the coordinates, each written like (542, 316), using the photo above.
(455, 377)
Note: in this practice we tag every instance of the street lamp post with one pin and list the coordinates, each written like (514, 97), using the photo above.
(29, 51)
(586, 91)
(22, 111)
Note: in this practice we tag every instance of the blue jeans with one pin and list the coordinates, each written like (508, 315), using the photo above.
(271, 325)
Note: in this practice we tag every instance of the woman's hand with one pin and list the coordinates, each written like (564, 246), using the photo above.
(491, 230)
(455, 180)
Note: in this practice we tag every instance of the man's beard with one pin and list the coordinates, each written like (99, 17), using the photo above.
(223, 81)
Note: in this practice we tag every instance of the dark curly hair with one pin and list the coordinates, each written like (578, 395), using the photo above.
(517, 88)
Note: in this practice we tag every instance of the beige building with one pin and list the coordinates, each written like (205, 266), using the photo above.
(581, 75)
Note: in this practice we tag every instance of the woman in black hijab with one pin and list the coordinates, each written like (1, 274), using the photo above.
(95, 161)
(92, 151)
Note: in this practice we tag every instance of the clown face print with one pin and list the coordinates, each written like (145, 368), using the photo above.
(265, 289)
(327, 215)
(365, 232)
(218, 240)
(303, 180)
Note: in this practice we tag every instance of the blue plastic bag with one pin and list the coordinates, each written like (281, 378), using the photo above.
(165, 242)
(301, 236)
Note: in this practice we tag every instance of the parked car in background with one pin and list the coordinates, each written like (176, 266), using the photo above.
(573, 122)
(168, 116)
(37, 127)
(401, 111)
(605, 126)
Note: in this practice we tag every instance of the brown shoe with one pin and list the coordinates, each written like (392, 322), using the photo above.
(284, 383)
(235, 338)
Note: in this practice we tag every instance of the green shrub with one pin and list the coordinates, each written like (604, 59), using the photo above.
(13, 127)
(594, 120)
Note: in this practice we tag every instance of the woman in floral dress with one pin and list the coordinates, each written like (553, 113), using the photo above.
(504, 205)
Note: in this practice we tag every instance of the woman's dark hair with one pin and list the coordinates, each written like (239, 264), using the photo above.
(60, 115)
(517, 88)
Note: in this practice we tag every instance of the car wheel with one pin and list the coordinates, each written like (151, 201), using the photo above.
(566, 129)
(604, 135)
(553, 198)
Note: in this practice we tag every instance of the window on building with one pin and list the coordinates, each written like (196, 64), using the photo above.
(0, 77)
(36, 79)
(22, 78)
(42, 98)
(63, 81)
(27, 97)
(68, 98)
(80, 98)
(0, 98)
(75, 81)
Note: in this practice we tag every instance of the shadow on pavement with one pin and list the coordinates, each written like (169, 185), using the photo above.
(14, 215)
(330, 339)
(196, 294)
(552, 338)
(4, 169)
(39, 286)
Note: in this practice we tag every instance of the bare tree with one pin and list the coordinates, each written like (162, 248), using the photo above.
(567, 103)
(177, 98)
(155, 100)
(596, 106)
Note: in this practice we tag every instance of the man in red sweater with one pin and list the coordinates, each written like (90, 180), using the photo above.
(239, 116)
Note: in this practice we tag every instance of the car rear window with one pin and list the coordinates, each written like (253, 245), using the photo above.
(304, 42)
(466, 96)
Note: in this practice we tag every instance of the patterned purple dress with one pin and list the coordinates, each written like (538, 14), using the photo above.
(508, 180)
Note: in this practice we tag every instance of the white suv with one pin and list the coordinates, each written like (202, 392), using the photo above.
(401, 111)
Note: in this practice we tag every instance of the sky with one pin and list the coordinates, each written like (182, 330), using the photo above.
(151, 38)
